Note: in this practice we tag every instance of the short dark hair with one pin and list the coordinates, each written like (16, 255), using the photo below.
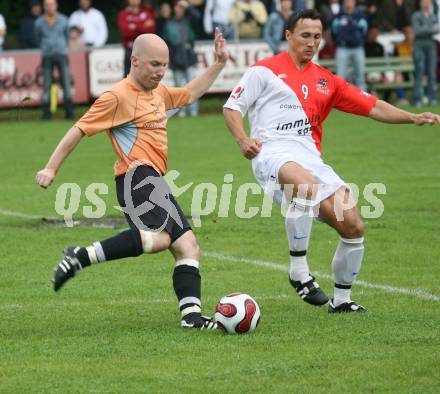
(305, 14)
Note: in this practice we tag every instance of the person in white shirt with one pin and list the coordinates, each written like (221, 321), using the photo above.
(217, 15)
(91, 23)
(2, 31)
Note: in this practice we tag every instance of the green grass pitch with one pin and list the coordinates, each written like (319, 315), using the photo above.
(115, 328)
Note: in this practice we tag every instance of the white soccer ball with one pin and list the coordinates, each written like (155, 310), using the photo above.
(237, 313)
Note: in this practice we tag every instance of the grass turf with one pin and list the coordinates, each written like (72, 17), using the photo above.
(115, 328)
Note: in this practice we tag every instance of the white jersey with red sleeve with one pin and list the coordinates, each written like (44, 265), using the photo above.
(285, 103)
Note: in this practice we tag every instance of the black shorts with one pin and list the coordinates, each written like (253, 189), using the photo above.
(151, 206)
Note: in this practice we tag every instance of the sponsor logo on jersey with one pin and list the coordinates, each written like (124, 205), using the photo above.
(300, 126)
(237, 93)
(156, 112)
(161, 123)
(296, 106)
(281, 76)
(322, 86)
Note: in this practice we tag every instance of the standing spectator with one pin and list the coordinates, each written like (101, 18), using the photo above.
(91, 23)
(2, 31)
(134, 20)
(52, 33)
(275, 27)
(249, 16)
(349, 29)
(394, 15)
(217, 15)
(179, 36)
(425, 25)
(27, 26)
(328, 11)
(163, 15)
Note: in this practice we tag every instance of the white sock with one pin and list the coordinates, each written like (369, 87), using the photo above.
(299, 269)
(341, 296)
(346, 265)
(299, 219)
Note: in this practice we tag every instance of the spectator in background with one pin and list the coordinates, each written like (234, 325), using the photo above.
(27, 25)
(328, 11)
(179, 36)
(134, 20)
(349, 29)
(275, 5)
(394, 15)
(52, 34)
(2, 31)
(217, 15)
(75, 41)
(163, 15)
(249, 16)
(425, 25)
(91, 24)
(275, 27)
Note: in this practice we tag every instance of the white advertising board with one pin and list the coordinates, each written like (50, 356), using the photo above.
(106, 65)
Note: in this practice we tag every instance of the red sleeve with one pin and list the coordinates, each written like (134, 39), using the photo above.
(350, 98)
(122, 23)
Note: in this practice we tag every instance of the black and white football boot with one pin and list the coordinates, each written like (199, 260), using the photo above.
(196, 320)
(67, 268)
(346, 307)
(310, 291)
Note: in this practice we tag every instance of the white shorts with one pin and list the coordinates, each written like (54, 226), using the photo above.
(267, 164)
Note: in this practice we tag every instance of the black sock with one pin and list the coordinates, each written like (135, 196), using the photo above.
(128, 243)
(187, 286)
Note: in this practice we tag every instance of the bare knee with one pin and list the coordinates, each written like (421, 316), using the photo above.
(186, 247)
(352, 229)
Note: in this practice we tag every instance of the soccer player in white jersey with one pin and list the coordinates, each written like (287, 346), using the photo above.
(287, 98)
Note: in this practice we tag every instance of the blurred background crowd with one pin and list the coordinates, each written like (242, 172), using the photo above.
(351, 31)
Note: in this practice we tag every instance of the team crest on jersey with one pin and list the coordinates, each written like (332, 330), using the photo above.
(322, 86)
(237, 93)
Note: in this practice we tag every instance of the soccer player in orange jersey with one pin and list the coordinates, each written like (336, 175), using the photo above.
(134, 115)
(288, 98)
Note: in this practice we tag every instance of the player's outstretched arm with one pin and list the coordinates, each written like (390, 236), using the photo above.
(387, 113)
(72, 138)
(198, 86)
(249, 147)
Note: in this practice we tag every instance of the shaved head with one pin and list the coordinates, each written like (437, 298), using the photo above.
(149, 61)
(149, 45)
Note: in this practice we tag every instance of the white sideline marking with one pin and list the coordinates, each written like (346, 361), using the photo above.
(423, 294)
(279, 267)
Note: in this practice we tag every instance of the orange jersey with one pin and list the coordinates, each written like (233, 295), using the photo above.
(136, 122)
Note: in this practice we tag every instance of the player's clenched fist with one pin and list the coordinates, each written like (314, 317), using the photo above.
(250, 147)
(45, 177)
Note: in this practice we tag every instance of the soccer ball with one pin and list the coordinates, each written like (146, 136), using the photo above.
(237, 313)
